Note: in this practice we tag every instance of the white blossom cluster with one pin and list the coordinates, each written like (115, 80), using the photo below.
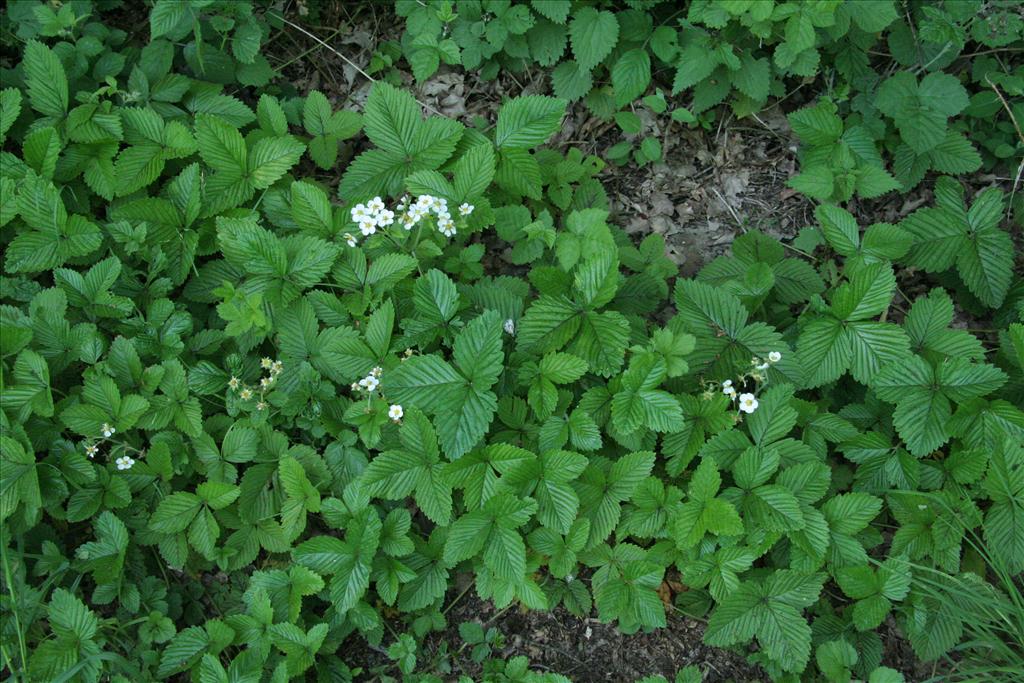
(747, 402)
(274, 368)
(107, 430)
(374, 214)
(370, 382)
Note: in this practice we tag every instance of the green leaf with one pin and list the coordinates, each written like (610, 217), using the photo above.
(593, 34)
(492, 529)
(528, 121)
(221, 145)
(817, 125)
(986, 265)
(460, 400)
(771, 613)
(555, 10)
(19, 482)
(1004, 521)
(570, 81)
(867, 294)
(921, 110)
(10, 108)
(824, 349)
(165, 17)
(416, 468)
(631, 74)
(840, 228)
(184, 650)
(271, 158)
(349, 560)
(46, 80)
(175, 513)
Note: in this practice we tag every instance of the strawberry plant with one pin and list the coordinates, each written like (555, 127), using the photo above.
(264, 401)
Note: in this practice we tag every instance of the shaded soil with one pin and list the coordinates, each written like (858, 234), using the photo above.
(584, 650)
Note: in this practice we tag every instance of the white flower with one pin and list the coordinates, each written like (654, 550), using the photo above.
(375, 205)
(424, 201)
(266, 382)
(465, 209)
(108, 430)
(726, 384)
(359, 212)
(730, 392)
(510, 326)
(377, 370)
(262, 405)
(447, 227)
(277, 368)
(367, 226)
(748, 403)
(774, 357)
(443, 216)
(409, 220)
(369, 382)
(234, 382)
(350, 239)
(124, 463)
(438, 203)
(91, 450)
(395, 412)
(266, 363)
(385, 218)
(245, 394)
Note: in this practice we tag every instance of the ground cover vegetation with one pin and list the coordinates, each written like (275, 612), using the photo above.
(284, 380)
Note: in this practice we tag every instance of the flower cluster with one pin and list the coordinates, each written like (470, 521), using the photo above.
(372, 215)
(92, 449)
(414, 212)
(370, 382)
(747, 402)
(274, 368)
(409, 213)
(761, 364)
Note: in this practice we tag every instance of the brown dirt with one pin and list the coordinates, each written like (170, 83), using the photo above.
(584, 650)
(712, 186)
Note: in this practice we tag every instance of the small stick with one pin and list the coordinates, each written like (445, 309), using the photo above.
(347, 60)
(1016, 126)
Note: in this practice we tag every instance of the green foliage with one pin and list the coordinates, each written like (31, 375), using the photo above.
(253, 412)
(900, 86)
